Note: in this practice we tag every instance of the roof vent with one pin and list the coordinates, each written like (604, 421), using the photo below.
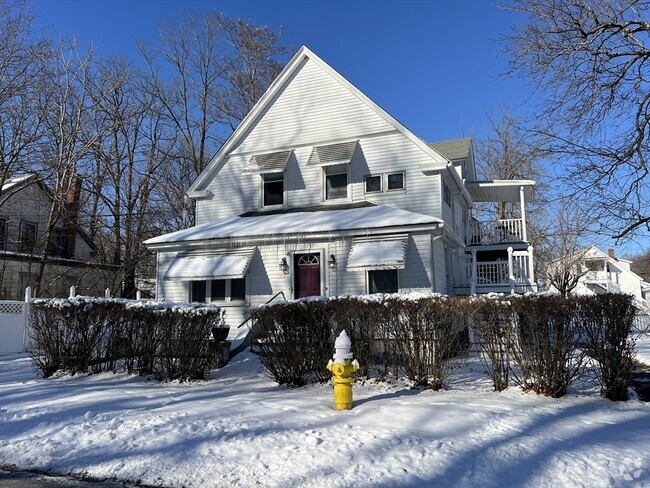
(333, 153)
(268, 163)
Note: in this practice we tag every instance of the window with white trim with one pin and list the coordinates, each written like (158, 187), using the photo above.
(336, 182)
(396, 181)
(27, 241)
(272, 189)
(372, 184)
(383, 281)
(224, 291)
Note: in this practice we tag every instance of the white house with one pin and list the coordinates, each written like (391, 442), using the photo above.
(69, 259)
(319, 191)
(603, 272)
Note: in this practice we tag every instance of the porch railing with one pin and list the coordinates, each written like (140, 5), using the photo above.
(496, 231)
(497, 273)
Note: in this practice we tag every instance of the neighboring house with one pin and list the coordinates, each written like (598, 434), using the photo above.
(605, 273)
(319, 191)
(69, 259)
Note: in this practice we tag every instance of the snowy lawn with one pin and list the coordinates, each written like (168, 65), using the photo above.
(241, 429)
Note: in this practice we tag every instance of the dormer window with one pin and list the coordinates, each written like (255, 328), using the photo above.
(272, 189)
(336, 182)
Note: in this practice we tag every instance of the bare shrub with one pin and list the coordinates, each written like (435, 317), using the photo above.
(294, 341)
(493, 333)
(546, 348)
(607, 324)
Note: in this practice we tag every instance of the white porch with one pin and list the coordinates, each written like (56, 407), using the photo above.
(512, 275)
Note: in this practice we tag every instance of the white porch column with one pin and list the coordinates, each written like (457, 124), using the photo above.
(531, 267)
(522, 204)
(511, 275)
(472, 281)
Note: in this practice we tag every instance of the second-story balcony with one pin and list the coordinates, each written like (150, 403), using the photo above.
(496, 231)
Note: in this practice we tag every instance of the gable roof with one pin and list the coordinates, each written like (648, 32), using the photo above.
(454, 148)
(197, 189)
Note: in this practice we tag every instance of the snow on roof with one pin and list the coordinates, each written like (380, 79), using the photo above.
(13, 182)
(378, 216)
(209, 267)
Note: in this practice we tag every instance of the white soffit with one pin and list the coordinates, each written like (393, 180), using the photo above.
(227, 265)
(267, 163)
(500, 190)
(378, 254)
(333, 153)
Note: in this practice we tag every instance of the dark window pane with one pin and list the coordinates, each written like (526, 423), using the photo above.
(238, 289)
(218, 290)
(273, 189)
(3, 234)
(197, 291)
(27, 237)
(336, 186)
(382, 281)
(373, 184)
(396, 181)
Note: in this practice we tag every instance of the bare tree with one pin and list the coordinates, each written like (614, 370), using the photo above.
(219, 68)
(590, 61)
(22, 64)
(562, 251)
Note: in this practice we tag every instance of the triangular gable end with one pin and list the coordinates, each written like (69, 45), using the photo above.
(264, 105)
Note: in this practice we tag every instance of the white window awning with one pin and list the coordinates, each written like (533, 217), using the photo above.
(333, 154)
(198, 267)
(268, 163)
(378, 254)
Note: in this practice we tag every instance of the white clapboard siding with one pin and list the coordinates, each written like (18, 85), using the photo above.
(438, 256)
(311, 107)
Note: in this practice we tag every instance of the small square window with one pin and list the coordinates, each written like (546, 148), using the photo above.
(382, 281)
(336, 186)
(373, 184)
(273, 189)
(396, 181)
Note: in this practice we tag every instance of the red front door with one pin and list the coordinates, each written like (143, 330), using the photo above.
(307, 275)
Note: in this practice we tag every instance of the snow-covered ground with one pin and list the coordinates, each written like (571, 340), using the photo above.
(643, 349)
(241, 429)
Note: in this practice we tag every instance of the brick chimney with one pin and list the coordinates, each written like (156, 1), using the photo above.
(71, 207)
(612, 253)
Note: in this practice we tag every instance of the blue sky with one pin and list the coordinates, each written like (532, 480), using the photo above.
(434, 65)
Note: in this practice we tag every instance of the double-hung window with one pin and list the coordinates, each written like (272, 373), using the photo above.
(336, 182)
(27, 241)
(273, 189)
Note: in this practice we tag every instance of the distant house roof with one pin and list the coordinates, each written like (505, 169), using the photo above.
(454, 148)
(13, 183)
(300, 223)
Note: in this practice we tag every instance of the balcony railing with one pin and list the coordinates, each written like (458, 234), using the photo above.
(494, 275)
(496, 231)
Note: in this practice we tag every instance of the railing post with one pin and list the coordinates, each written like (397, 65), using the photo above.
(28, 294)
(138, 295)
(73, 291)
(472, 282)
(107, 293)
(531, 267)
(522, 203)
(511, 275)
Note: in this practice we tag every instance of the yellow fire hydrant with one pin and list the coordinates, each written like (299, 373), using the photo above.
(342, 367)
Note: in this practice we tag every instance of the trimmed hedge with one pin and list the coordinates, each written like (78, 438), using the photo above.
(541, 342)
(83, 334)
(415, 336)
